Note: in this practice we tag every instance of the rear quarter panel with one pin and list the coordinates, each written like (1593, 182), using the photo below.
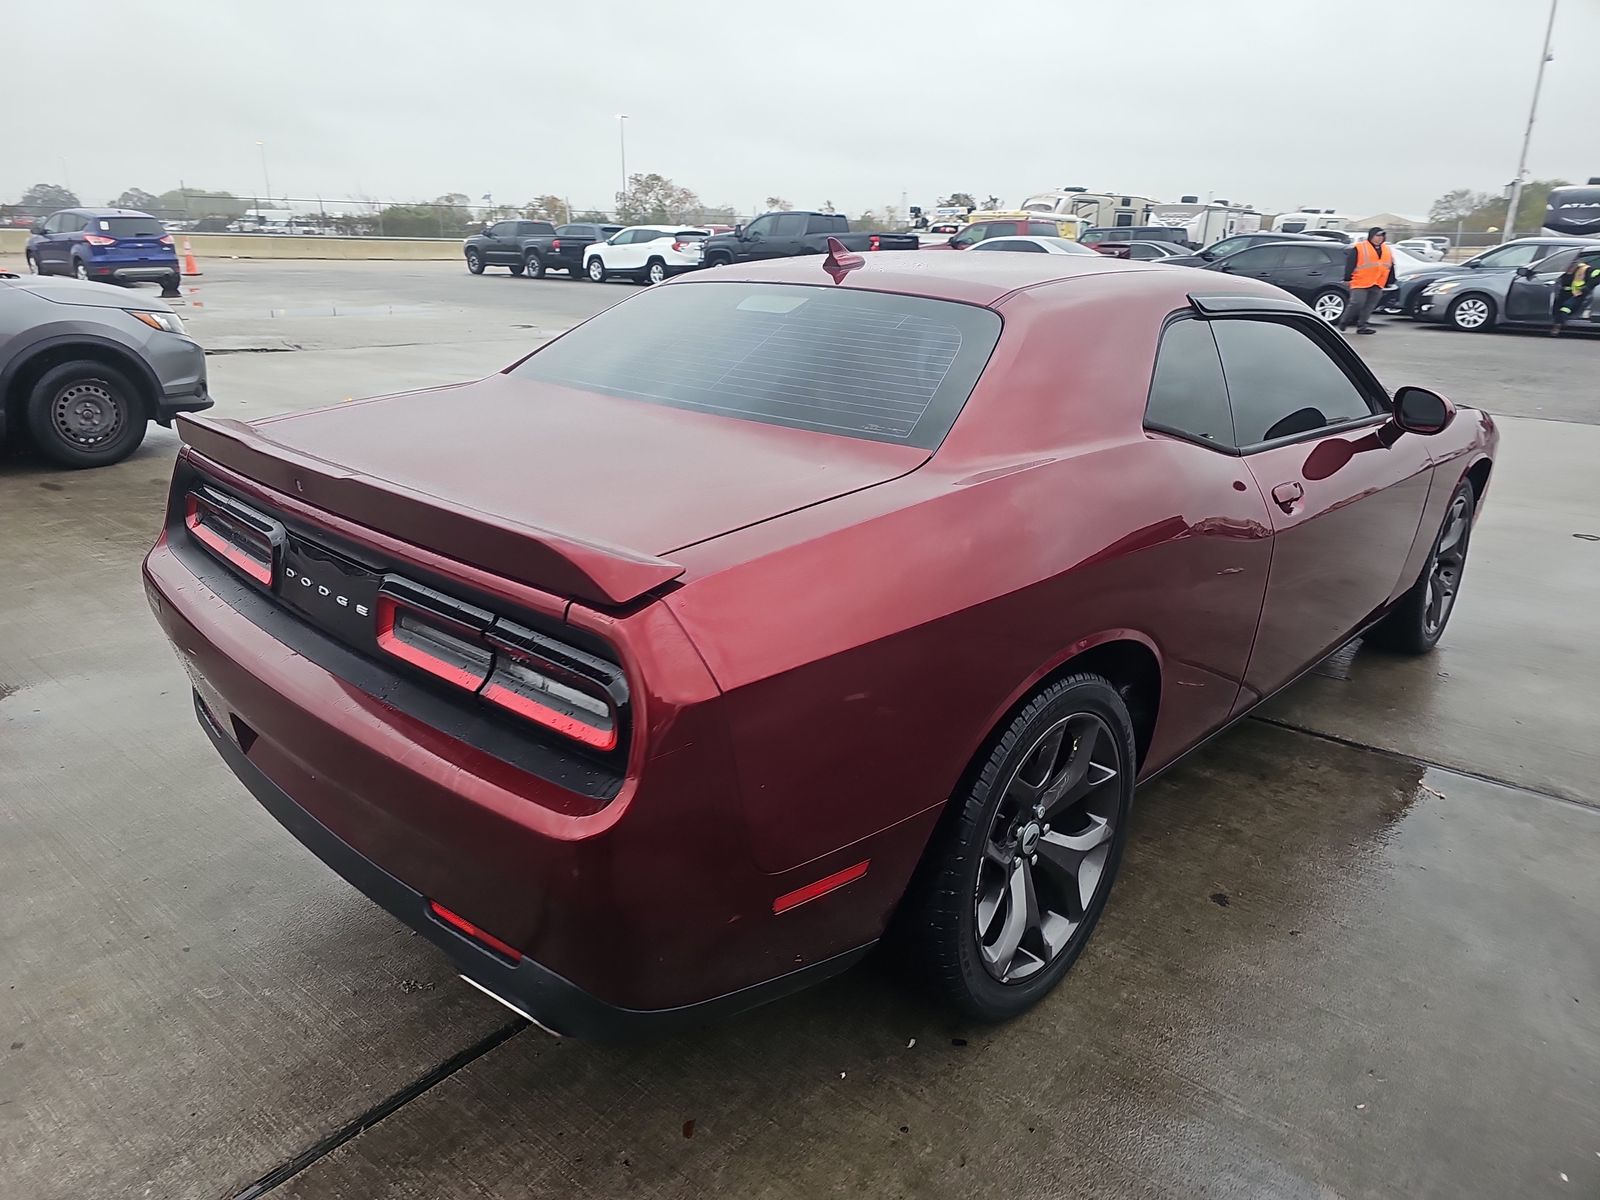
(868, 647)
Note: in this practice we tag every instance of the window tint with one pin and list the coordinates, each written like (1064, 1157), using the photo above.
(1262, 258)
(873, 365)
(761, 225)
(1311, 257)
(790, 225)
(573, 230)
(503, 229)
(1044, 229)
(1281, 382)
(1187, 394)
(826, 223)
(1509, 256)
(1556, 263)
(1141, 251)
(128, 227)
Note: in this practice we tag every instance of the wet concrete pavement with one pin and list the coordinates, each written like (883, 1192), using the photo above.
(1326, 970)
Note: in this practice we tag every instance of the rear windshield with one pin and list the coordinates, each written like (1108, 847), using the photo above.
(127, 227)
(871, 365)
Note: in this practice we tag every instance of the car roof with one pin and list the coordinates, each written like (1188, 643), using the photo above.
(110, 212)
(987, 279)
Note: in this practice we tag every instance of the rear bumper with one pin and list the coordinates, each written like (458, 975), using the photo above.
(536, 992)
(132, 270)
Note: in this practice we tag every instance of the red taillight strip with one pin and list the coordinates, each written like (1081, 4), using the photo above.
(194, 519)
(392, 643)
(821, 887)
(523, 706)
(461, 925)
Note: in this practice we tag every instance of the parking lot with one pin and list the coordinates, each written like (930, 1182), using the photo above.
(1352, 951)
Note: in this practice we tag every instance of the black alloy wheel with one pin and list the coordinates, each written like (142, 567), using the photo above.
(1019, 872)
(1418, 619)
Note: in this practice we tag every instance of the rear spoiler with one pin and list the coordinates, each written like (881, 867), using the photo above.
(541, 558)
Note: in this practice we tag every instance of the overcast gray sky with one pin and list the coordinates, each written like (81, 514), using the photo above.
(1361, 105)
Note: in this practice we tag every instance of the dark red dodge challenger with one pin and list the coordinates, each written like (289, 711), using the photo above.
(656, 674)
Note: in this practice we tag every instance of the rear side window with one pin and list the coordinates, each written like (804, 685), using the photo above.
(128, 227)
(825, 223)
(1309, 256)
(789, 225)
(871, 365)
(1187, 394)
(1044, 229)
(1282, 383)
(1262, 258)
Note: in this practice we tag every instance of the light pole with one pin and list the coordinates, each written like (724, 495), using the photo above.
(1527, 137)
(265, 178)
(622, 147)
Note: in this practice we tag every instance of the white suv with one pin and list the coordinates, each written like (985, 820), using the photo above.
(646, 253)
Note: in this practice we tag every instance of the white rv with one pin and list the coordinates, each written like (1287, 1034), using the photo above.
(1206, 223)
(1309, 220)
(1104, 209)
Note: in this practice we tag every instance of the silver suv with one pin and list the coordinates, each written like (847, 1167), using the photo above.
(85, 367)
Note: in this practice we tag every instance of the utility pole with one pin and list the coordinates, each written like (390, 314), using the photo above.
(622, 146)
(264, 177)
(1527, 137)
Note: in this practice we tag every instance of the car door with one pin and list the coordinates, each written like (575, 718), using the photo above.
(1307, 270)
(46, 246)
(1260, 262)
(627, 252)
(1531, 294)
(788, 236)
(1216, 566)
(757, 235)
(1344, 491)
(500, 243)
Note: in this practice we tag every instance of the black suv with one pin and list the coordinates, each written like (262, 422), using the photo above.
(1237, 242)
(1311, 268)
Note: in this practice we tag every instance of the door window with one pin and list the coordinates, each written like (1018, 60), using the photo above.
(502, 229)
(973, 234)
(1187, 394)
(1509, 256)
(825, 223)
(1262, 258)
(53, 225)
(789, 225)
(1556, 263)
(1124, 219)
(1044, 229)
(1306, 258)
(761, 225)
(1282, 383)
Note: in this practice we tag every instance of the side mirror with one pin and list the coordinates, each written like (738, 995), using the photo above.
(1417, 410)
(738, 232)
(1525, 272)
(951, 243)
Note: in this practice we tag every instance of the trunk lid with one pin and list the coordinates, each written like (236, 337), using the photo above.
(578, 493)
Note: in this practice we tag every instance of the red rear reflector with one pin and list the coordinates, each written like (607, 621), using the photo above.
(417, 638)
(95, 239)
(462, 925)
(874, 241)
(821, 887)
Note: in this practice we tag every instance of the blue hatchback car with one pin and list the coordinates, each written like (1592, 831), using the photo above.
(112, 245)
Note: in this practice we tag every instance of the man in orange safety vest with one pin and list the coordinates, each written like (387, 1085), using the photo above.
(1369, 269)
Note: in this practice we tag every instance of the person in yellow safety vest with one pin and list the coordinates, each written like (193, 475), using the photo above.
(1573, 290)
(1368, 269)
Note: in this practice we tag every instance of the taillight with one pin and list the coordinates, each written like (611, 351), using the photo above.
(165, 239)
(677, 245)
(434, 633)
(873, 245)
(97, 239)
(555, 243)
(556, 686)
(239, 536)
(461, 925)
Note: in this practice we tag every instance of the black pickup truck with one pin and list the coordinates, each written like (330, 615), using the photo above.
(784, 234)
(533, 247)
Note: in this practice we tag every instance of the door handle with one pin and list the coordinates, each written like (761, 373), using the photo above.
(1314, 274)
(1287, 495)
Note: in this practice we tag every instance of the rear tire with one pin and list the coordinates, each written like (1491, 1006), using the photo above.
(1003, 904)
(474, 262)
(655, 271)
(1416, 623)
(1471, 314)
(85, 414)
(1329, 305)
(534, 265)
(596, 270)
(81, 270)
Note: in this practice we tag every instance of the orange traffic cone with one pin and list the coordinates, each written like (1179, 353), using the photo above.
(190, 267)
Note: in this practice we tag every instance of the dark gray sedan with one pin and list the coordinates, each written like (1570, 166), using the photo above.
(84, 368)
(1523, 296)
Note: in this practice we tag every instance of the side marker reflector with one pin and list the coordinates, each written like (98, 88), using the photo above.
(461, 925)
(821, 887)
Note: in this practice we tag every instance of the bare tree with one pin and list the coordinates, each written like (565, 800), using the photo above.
(654, 200)
(777, 203)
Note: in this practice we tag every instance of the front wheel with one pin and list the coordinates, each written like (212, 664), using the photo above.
(33, 265)
(1019, 871)
(596, 270)
(1416, 623)
(1329, 305)
(656, 272)
(1472, 314)
(474, 262)
(85, 414)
